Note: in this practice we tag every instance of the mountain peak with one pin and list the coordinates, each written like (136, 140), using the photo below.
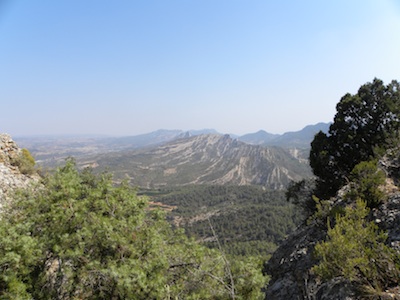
(207, 159)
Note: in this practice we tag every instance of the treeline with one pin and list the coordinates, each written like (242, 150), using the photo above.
(246, 220)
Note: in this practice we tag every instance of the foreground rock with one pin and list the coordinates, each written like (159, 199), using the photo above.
(290, 266)
(11, 177)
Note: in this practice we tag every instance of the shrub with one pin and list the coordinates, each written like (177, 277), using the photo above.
(366, 179)
(25, 162)
(81, 237)
(355, 250)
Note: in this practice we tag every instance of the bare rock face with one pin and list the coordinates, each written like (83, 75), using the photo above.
(10, 176)
(8, 149)
(290, 266)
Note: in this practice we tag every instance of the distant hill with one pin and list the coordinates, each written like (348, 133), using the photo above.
(301, 138)
(258, 138)
(50, 151)
(153, 138)
(296, 139)
(204, 159)
(143, 140)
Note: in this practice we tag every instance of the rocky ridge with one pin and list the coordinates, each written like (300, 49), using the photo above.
(290, 266)
(10, 176)
(205, 159)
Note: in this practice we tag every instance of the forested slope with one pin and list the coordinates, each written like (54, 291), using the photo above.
(247, 220)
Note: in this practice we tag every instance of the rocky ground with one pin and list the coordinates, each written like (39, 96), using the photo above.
(10, 176)
(290, 266)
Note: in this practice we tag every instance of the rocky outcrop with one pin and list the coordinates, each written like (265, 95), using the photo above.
(10, 176)
(290, 266)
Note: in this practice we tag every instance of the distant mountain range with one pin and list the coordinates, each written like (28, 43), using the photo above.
(176, 157)
(46, 148)
(203, 159)
(298, 139)
(295, 139)
(153, 138)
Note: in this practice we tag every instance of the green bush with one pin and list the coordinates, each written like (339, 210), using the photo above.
(25, 162)
(355, 250)
(81, 237)
(366, 180)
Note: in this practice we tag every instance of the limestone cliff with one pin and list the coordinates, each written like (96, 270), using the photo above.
(11, 177)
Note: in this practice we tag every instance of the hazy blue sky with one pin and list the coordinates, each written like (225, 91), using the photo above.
(238, 66)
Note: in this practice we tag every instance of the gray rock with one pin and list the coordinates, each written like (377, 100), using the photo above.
(11, 178)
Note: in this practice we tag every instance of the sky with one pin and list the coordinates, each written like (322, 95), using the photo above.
(128, 67)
